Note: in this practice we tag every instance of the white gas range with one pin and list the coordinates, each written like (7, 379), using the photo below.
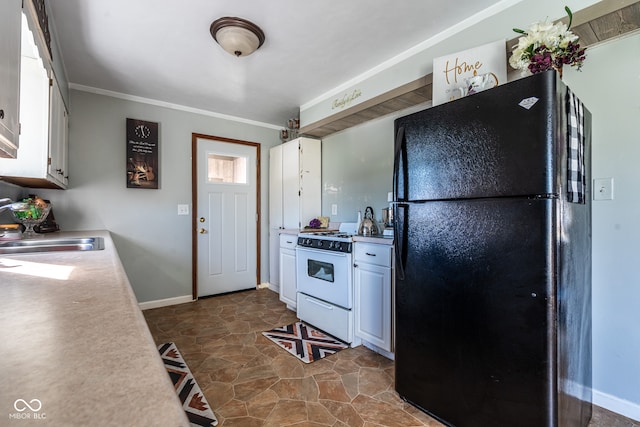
(324, 267)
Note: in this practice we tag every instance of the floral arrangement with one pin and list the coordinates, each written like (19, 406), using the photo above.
(546, 46)
(314, 223)
(319, 222)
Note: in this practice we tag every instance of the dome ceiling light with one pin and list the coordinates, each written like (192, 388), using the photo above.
(237, 36)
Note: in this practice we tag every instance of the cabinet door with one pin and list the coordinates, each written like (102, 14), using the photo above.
(274, 257)
(275, 187)
(275, 213)
(288, 288)
(58, 141)
(310, 183)
(290, 185)
(373, 304)
(10, 28)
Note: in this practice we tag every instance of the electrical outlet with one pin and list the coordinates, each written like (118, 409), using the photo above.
(603, 189)
(183, 209)
(334, 209)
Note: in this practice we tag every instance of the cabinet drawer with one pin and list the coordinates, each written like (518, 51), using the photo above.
(330, 318)
(288, 241)
(373, 254)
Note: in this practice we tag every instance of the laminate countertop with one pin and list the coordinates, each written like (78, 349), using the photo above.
(75, 346)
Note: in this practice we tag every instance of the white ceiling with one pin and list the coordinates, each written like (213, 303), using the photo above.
(162, 49)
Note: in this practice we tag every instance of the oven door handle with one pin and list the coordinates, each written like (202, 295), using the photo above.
(318, 303)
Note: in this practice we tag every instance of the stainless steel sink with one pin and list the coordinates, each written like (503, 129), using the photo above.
(52, 245)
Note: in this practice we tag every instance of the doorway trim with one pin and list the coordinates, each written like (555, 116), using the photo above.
(194, 204)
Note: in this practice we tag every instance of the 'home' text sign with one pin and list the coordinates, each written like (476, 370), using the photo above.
(470, 71)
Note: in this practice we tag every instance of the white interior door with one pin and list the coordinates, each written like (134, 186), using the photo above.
(227, 216)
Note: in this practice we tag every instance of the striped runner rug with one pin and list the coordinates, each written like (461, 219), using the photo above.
(193, 401)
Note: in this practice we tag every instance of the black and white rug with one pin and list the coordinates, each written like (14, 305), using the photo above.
(193, 401)
(305, 342)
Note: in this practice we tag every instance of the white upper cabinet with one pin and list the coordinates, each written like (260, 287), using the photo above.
(41, 159)
(294, 196)
(58, 137)
(10, 28)
(295, 183)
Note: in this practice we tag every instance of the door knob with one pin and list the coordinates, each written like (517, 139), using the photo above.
(202, 219)
(202, 231)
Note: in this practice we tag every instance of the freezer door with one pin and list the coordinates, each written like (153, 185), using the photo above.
(507, 141)
(475, 310)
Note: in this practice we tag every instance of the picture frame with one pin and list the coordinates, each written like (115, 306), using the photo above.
(142, 168)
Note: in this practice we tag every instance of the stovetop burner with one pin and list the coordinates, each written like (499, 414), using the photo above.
(336, 241)
(336, 234)
(327, 240)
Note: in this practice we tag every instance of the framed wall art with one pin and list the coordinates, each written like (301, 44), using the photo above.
(142, 154)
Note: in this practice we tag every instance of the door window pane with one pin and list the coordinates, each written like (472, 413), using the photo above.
(226, 169)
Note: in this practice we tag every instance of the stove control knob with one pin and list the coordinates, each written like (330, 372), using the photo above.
(320, 243)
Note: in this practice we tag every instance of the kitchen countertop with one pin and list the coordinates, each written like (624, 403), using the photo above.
(74, 338)
(289, 231)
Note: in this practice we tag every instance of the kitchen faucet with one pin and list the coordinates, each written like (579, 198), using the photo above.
(7, 203)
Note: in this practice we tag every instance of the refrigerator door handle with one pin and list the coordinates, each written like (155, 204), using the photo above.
(400, 238)
(399, 172)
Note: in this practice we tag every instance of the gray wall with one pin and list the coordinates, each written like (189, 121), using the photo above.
(357, 168)
(153, 242)
(612, 94)
(357, 171)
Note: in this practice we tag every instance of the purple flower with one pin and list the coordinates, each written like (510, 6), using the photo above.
(314, 223)
(540, 60)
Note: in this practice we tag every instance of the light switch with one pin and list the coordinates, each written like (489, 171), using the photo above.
(603, 189)
(334, 209)
(183, 209)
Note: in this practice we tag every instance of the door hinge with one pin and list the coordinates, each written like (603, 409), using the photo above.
(49, 161)
(50, 82)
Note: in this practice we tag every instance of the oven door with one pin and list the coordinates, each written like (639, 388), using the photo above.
(325, 275)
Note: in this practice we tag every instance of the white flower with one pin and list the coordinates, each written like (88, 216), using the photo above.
(554, 37)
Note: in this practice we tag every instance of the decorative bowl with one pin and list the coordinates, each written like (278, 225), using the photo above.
(30, 216)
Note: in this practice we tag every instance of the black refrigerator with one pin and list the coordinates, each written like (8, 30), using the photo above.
(492, 201)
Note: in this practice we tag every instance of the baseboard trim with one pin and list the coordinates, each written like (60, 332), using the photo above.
(274, 288)
(617, 405)
(383, 352)
(165, 302)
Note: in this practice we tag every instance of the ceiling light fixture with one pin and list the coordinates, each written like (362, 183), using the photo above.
(237, 36)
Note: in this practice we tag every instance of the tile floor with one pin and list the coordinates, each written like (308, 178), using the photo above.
(249, 381)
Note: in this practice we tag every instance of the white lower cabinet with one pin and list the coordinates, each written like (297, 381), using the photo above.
(373, 294)
(287, 267)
